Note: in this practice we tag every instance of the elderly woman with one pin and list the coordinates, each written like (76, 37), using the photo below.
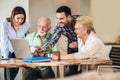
(90, 46)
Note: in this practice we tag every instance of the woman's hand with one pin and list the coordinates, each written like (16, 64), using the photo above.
(73, 45)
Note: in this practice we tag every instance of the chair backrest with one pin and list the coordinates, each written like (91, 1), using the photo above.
(115, 55)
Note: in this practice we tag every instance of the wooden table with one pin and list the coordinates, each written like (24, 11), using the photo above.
(16, 63)
(83, 62)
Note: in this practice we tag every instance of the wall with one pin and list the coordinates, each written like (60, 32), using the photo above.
(106, 16)
(40, 8)
(7, 6)
(84, 7)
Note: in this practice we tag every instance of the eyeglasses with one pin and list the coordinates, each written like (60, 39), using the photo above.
(78, 28)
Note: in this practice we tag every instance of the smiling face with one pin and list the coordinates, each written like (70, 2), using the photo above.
(62, 19)
(80, 30)
(43, 26)
(83, 27)
(18, 19)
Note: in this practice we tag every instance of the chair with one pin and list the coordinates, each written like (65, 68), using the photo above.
(115, 57)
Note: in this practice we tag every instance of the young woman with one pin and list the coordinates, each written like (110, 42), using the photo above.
(13, 28)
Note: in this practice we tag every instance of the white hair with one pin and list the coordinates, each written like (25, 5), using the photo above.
(46, 19)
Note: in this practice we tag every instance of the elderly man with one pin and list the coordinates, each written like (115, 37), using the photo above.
(39, 38)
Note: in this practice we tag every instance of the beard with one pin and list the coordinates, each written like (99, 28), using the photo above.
(41, 33)
(63, 24)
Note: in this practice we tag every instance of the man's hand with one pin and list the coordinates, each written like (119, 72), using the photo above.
(40, 49)
(73, 45)
(38, 54)
(35, 53)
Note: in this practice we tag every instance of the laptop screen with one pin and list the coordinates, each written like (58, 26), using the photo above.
(21, 48)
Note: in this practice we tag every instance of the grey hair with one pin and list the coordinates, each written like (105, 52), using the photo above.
(45, 18)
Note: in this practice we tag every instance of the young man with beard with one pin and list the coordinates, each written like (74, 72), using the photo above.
(39, 38)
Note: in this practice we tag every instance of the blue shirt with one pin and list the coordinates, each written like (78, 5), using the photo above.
(7, 33)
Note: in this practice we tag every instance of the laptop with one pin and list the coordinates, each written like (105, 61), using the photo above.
(21, 48)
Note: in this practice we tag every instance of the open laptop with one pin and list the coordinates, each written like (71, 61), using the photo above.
(21, 48)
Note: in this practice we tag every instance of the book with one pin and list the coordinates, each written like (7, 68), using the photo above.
(37, 59)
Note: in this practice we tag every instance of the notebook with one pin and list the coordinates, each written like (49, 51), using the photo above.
(38, 59)
(21, 48)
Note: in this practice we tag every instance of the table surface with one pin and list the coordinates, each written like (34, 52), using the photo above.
(11, 63)
(15, 63)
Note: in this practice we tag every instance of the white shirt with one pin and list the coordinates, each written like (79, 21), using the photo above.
(7, 33)
(93, 48)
